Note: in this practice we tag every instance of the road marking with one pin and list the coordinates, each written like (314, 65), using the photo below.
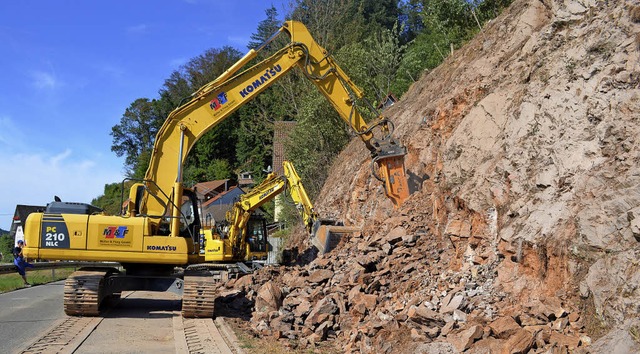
(198, 335)
(65, 336)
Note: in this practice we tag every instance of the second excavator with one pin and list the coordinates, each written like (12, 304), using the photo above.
(241, 235)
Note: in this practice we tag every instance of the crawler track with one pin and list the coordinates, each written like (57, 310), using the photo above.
(83, 292)
(199, 294)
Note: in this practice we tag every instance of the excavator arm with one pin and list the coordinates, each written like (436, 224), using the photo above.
(344, 95)
(217, 100)
(299, 196)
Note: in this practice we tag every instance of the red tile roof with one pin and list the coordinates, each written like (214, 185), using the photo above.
(204, 188)
(208, 202)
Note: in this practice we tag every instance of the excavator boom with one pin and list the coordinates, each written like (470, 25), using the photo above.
(215, 101)
(299, 196)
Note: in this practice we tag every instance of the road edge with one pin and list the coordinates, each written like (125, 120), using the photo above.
(229, 335)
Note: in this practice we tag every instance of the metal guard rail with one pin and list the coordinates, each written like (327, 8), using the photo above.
(8, 268)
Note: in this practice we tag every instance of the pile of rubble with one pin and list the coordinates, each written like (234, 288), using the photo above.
(522, 234)
(395, 293)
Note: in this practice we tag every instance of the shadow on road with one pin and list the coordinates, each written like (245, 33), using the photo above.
(140, 307)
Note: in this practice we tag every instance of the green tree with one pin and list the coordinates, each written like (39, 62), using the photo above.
(434, 27)
(214, 170)
(133, 137)
(6, 247)
(315, 142)
(255, 131)
(373, 63)
(266, 28)
(336, 23)
(112, 199)
(489, 9)
(410, 19)
(213, 156)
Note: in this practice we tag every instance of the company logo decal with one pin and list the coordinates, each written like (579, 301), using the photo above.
(268, 75)
(266, 193)
(162, 248)
(115, 231)
(217, 102)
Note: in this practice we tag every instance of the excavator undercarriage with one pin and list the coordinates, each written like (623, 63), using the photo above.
(88, 289)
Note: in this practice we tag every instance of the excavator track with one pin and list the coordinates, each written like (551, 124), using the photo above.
(83, 292)
(199, 294)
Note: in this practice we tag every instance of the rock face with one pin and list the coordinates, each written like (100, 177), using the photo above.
(523, 229)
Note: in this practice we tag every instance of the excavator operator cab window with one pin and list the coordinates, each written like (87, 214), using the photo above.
(256, 235)
(189, 219)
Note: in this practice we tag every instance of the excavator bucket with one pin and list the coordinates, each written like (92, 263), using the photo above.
(391, 170)
(321, 238)
(327, 233)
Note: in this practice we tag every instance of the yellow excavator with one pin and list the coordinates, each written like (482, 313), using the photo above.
(157, 239)
(243, 236)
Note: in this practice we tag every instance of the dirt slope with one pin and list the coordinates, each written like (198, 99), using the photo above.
(523, 232)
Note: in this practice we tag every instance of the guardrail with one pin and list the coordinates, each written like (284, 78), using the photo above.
(8, 268)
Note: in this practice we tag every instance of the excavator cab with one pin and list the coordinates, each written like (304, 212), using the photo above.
(189, 218)
(218, 246)
(256, 236)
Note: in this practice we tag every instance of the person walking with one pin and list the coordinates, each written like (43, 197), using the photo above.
(20, 263)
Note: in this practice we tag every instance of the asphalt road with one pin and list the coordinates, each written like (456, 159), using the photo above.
(141, 322)
(26, 313)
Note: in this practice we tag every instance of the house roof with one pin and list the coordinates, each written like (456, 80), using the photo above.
(20, 216)
(281, 131)
(204, 188)
(220, 196)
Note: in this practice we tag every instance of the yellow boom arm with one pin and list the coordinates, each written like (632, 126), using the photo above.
(299, 196)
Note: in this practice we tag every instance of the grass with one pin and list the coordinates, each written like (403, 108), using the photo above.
(10, 282)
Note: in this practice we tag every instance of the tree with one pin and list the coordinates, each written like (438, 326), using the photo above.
(324, 19)
(112, 199)
(216, 169)
(410, 19)
(134, 136)
(315, 141)
(489, 9)
(374, 62)
(6, 247)
(255, 131)
(266, 28)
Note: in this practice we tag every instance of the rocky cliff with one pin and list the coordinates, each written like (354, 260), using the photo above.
(522, 233)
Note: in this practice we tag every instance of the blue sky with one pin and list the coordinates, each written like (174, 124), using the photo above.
(71, 68)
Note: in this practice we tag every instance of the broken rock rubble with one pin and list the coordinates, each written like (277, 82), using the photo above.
(352, 299)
